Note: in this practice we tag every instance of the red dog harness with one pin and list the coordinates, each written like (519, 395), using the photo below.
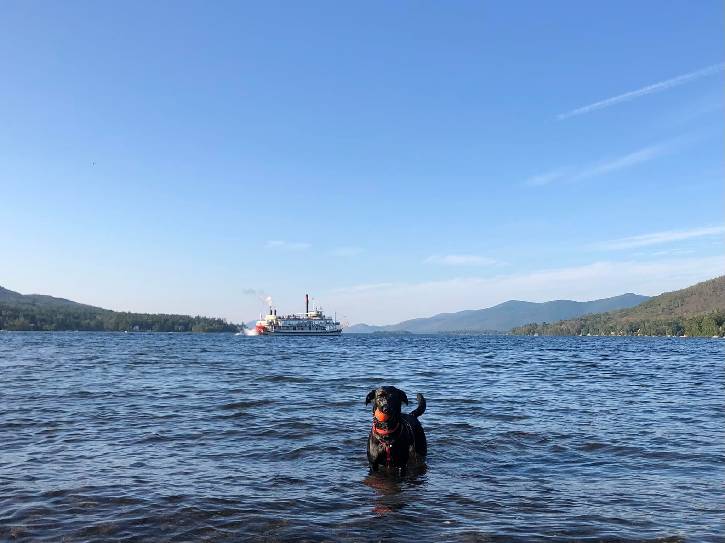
(386, 444)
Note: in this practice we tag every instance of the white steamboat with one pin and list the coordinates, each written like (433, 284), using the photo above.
(309, 323)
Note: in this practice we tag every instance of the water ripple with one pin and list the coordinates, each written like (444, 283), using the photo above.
(182, 437)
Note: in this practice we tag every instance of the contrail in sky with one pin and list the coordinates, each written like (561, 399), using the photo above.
(650, 89)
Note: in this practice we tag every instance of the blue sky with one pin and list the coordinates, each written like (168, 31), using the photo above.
(392, 159)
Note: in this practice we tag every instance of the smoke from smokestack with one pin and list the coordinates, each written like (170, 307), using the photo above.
(263, 297)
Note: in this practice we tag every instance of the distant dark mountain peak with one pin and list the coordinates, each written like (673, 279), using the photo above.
(8, 296)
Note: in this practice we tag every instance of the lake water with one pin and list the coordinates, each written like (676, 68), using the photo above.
(175, 437)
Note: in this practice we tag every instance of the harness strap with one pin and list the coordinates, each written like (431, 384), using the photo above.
(387, 445)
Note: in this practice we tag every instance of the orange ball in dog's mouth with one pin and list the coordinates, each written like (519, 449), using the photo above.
(380, 416)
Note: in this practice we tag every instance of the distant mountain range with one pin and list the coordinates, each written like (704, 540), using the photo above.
(503, 317)
(698, 310)
(38, 312)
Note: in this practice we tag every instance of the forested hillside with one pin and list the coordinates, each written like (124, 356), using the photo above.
(698, 310)
(46, 313)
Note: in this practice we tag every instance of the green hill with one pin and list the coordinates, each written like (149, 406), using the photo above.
(46, 313)
(698, 310)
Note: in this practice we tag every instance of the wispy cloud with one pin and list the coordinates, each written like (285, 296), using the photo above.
(460, 260)
(288, 245)
(548, 177)
(657, 238)
(602, 167)
(644, 91)
(666, 252)
(347, 251)
(620, 163)
(364, 288)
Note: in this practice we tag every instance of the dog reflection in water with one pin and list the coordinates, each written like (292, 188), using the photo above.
(389, 496)
(396, 439)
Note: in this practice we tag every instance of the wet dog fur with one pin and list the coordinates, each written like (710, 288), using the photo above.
(400, 439)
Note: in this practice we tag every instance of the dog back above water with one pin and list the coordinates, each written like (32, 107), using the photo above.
(396, 439)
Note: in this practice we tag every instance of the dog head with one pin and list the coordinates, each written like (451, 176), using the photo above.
(387, 402)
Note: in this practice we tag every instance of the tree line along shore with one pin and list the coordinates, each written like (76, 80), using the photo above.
(709, 325)
(28, 318)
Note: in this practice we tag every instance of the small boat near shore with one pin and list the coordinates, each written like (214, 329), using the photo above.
(309, 323)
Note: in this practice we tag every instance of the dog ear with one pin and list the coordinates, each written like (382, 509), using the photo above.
(403, 397)
(369, 397)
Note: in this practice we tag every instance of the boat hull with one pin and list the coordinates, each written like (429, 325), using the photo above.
(301, 333)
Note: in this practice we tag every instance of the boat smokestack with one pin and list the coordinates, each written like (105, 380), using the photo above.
(307, 303)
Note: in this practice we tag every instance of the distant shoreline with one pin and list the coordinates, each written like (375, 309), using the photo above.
(359, 334)
(698, 310)
(115, 332)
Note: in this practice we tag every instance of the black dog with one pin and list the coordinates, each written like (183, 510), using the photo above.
(396, 437)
